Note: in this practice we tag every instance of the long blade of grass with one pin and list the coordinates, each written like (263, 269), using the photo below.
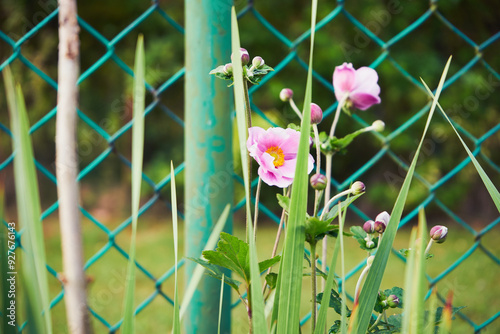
(492, 190)
(220, 302)
(177, 321)
(430, 328)
(343, 312)
(29, 212)
(199, 269)
(370, 289)
(325, 300)
(259, 324)
(293, 252)
(418, 288)
(137, 154)
(410, 272)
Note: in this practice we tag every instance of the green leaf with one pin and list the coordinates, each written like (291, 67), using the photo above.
(259, 324)
(28, 206)
(271, 280)
(405, 253)
(215, 271)
(291, 263)
(335, 302)
(368, 294)
(360, 235)
(492, 190)
(284, 202)
(231, 253)
(316, 229)
(137, 154)
(266, 264)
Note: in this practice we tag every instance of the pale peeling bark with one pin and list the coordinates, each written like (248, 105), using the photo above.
(67, 170)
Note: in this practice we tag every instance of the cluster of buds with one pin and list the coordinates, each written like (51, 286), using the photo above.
(375, 226)
(253, 71)
(392, 301)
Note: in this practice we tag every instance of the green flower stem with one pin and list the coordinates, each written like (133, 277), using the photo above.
(329, 158)
(256, 213)
(333, 199)
(249, 125)
(360, 279)
(337, 116)
(386, 320)
(376, 322)
(428, 248)
(295, 108)
(313, 285)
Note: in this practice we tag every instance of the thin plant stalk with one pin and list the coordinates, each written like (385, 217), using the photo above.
(313, 286)
(296, 109)
(256, 211)
(67, 170)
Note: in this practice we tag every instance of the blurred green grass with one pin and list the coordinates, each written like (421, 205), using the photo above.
(474, 282)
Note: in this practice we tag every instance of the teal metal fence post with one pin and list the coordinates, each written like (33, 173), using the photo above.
(208, 153)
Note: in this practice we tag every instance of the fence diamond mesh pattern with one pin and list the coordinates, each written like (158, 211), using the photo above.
(368, 38)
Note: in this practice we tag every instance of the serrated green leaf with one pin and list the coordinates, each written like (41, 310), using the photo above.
(271, 280)
(216, 272)
(335, 302)
(316, 229)
(266, 264)
(360, 235)
(231, 253)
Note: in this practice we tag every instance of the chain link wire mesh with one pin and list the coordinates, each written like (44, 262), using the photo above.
(362, 35)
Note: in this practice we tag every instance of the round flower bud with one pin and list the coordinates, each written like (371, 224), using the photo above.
(358, 187)
(383, 217)
(286, 94)
(369, 227)
(393, 301)
(380, 227)
(228, 68)
(245, 57)
(318, 181)
(439, 233)
(257, 62)
(378, 126)
(316, 114)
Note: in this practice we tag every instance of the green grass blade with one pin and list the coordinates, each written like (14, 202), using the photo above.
(137, 154)
(199, 269)
(220, 302)
(430, 328)
(342, 259)
(419, 281)
(325, 300)
(29, 212)
(370, 289)
(259, 324)
(409, 275)
(177, 321)
(293, 252)
(492, 190)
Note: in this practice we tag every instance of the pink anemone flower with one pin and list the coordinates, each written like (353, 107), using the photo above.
(275, 150)
(357, 87)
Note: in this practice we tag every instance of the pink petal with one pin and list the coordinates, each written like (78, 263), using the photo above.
(363, 101)
(366, 81)
(343, 80)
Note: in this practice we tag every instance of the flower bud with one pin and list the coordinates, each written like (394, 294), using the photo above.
(245, 57)
(318, 181)
(439, 233)
(228, 69)
(383, 217)
(316, 114)
(358, 187)
(257, 62)
(393, 301)
(369, 226)
(380, 227)
(378, 126)
(286, 94)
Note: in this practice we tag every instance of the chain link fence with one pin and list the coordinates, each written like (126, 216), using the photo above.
(386, 35)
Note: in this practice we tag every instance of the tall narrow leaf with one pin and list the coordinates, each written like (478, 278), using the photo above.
(370, 289)
(293, 252)
(492, 190)
(177, 322)
(220, 302)
(29, 212)
(430, 328)
(258, 319)
(409, 281)
(137, 154)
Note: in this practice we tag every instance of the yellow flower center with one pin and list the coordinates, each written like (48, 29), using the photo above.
(277, 154)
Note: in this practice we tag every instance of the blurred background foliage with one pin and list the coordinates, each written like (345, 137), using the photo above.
(473, 100)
